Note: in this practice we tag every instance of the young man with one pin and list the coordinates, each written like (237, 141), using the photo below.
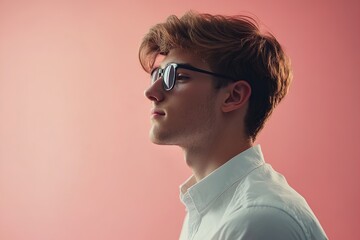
(215, 80)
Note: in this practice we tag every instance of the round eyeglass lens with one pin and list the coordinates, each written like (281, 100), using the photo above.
(169, 77)
(166, 78)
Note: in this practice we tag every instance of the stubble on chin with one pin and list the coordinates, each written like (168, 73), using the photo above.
(158, 137)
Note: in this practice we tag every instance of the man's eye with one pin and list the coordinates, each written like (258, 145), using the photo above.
(181, 77)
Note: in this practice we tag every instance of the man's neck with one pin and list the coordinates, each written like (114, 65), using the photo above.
(205, 159)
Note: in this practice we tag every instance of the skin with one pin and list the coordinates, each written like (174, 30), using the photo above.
(207, 123)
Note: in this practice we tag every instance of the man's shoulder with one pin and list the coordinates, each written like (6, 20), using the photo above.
(260, 222)
(263, 202)
(266, 187)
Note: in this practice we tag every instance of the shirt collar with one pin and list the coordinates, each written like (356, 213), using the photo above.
(202, 193)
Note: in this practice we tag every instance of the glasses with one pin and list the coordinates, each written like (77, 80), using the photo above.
(169, 74)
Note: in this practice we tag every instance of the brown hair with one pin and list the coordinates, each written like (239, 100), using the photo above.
(233, 46)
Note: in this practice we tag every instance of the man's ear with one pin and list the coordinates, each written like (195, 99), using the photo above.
(237, 95)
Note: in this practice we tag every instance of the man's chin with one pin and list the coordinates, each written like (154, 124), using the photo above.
(158, 140)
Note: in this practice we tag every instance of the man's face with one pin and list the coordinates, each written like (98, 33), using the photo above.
(186, 115)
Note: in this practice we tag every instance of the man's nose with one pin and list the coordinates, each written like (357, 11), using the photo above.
(155, 92)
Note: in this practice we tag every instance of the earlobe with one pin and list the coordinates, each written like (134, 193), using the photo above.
(237, 95)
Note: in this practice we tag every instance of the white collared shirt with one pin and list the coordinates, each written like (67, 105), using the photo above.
(246, 199)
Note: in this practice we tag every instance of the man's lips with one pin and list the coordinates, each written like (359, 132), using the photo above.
(157, 112)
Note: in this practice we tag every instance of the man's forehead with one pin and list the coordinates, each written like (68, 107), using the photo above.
(158, 60)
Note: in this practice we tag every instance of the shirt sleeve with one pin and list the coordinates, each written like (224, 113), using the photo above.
(259, 223)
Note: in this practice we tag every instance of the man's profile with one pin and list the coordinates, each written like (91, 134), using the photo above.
(215, 80)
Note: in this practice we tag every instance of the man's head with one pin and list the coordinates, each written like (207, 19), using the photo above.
(231, 47)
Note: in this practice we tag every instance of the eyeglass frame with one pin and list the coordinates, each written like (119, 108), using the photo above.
(184, 66)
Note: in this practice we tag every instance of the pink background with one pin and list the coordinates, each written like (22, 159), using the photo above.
(75, 159)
